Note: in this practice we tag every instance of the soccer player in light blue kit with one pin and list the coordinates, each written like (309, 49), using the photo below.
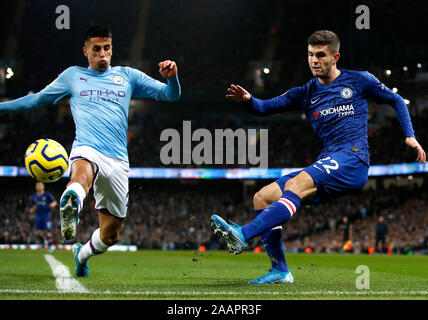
(99, 100)
(42, 203)
(335, 102)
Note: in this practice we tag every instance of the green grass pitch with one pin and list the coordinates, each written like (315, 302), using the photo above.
(144, 274)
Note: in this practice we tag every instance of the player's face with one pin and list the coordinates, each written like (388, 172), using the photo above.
(99, 52)
(40, 187)
(321, 60)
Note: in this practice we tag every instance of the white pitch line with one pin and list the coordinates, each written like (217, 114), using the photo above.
(64, 281)
(226, 293)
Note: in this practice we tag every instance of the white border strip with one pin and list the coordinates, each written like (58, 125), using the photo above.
(64, 281)
(229, 293)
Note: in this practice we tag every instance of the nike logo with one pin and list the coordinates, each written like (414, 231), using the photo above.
(84, 79)
(313, 101)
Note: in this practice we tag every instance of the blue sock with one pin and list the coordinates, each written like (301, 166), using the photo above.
(275, 215)
(272, 240)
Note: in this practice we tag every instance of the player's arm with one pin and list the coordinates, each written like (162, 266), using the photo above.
(264, 107)
(51, 94)
(32, 209)
(147, 87)
(381, 93)
(52, 201)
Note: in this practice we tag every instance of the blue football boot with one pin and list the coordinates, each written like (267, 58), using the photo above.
(231, 233)
(274, 276)
(69, 214)
(82, 269)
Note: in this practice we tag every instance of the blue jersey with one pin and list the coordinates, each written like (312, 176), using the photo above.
(42, 203)
(100, 103)
(338, 111)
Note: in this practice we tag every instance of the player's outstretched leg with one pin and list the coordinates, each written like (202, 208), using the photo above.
(70, 205)
(276, 214)
(231, 233)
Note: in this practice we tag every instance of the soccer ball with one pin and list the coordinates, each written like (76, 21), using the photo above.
(46, 160)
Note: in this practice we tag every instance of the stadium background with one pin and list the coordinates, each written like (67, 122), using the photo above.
(216, 43)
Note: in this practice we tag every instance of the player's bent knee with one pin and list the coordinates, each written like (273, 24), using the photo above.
(258, 200)
(262, 200)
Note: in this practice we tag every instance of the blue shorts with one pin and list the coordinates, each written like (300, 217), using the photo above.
(335, 175)
(43, 224)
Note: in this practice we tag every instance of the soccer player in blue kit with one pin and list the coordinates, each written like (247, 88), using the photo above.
(335, 102)
(99, 99)
(42, 203)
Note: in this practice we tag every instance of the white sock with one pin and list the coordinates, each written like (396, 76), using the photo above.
(92, 247)
(78, 188)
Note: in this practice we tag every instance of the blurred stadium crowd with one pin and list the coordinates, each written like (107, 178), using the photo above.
(170, 215)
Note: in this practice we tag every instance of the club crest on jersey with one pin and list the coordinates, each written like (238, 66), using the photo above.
(346, 93)
(118, 79)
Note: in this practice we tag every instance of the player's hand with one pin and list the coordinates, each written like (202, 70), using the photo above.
(413, 143)
(168, 69)
(237, 93)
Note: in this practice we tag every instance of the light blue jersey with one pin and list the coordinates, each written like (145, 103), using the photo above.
(99, 103)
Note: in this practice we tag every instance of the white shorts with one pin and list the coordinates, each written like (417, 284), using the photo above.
(111, 186)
